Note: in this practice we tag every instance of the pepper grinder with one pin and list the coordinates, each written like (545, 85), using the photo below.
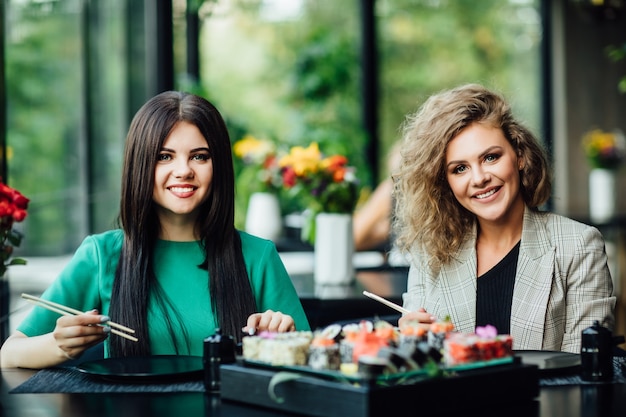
(596, 353)
(218, 349)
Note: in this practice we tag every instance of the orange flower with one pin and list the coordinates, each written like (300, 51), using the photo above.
(328, 184)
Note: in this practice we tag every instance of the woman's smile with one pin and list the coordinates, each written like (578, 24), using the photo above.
(182, 191)
(183, 174)
(483, 174)
(487, 194)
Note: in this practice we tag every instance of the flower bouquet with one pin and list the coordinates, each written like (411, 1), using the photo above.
(13, 206)
(325, 184)
(260, 160)
(605, 150)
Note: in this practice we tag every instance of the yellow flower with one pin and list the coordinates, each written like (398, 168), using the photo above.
(604, 149)
(302, 160)
(253, 150)
(260, 171)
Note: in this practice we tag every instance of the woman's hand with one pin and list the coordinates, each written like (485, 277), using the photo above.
(420, 317)
(273, 321)
(75, 334)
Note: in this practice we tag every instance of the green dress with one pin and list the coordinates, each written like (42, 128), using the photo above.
(87, 281)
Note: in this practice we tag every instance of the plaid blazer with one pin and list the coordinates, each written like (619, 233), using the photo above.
(562, 284)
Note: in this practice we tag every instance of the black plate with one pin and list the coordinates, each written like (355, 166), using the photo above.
(550, 361)
(163, 368)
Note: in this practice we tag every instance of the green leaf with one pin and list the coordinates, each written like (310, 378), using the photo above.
(17, 261)
(15, 238)
(621, 86)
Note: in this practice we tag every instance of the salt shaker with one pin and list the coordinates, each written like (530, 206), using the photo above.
(596, 353)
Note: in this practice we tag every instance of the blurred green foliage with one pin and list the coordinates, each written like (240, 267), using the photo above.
(296, 77)
(616, 54)
(286, 70)
(43, 100)
(65, 151)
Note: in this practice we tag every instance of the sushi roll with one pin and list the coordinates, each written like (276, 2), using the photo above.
(350, 333)
(438, 332)
(324, 354)
(411, 335)
(332, 332)
(386, 331)
(398, 360)
(371, 367)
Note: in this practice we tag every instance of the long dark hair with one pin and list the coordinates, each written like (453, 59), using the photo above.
(230, 290)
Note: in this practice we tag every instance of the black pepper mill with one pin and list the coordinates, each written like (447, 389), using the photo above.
(218, 349)
(596, 353)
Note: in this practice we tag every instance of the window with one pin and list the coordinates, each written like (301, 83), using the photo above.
(293, 71)
(66, 120)
(290, 70)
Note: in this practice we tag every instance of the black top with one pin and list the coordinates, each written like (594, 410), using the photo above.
(494, 293)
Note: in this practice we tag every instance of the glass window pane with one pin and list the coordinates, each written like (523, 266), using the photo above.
(67, 118)
(44, 135)
(287, 71)
(427, 46)
(108, 112)
(291, 70)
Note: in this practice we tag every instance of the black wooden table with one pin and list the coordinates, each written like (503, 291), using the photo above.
(557, 401)
(325, 304)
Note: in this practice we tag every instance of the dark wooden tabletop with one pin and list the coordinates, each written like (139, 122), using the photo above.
(325, 304)
(561, 401)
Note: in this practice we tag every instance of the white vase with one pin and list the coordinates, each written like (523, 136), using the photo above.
(263, 218)
(601, 195)
(334, 249)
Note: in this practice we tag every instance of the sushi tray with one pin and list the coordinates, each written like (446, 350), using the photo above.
(305, 391)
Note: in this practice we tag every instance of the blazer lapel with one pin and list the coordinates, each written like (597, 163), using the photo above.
(535, 269)
(457, 286)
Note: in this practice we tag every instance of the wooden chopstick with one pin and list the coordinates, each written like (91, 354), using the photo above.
(68, 311)
(386, 302)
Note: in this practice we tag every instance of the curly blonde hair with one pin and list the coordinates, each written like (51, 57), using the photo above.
(428, 218)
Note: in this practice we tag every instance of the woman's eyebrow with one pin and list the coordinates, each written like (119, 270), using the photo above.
(489, 150)
(191, 151)
(480, 156)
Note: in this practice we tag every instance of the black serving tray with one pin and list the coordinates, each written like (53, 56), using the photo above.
(308, 394)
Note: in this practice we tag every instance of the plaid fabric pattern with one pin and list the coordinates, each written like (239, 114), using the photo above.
(562, 284)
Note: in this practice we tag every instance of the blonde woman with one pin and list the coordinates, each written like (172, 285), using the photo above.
(468, 194)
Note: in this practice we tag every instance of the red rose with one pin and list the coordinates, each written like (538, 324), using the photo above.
(6, 208)
(5, 190)
(19, 215)
(20, 201)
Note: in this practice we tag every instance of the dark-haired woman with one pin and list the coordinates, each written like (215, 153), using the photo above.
(468, 192)
(176, 269)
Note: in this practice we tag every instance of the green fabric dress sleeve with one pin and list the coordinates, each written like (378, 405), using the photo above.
(270, 281)
(84, 283)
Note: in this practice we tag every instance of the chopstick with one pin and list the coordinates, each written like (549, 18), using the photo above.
(386, 302)
(68, 311)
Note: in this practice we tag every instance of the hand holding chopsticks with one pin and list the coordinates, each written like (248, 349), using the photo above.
(68, 311)
(386, 302)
